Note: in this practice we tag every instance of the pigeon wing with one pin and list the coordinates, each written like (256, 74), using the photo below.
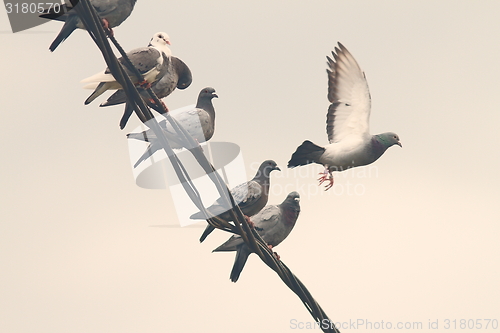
(348, 92)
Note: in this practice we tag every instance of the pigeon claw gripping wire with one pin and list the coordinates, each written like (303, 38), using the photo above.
(270, 247)
(144, 84)
(107, 28)
(161, 109)
(326, 175)
(250, 223)
(165, 106)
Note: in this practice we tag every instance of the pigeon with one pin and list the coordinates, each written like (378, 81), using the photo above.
(199, 122)
(178, 75)
(274, 223)
(151, 61)
(350, 143)
(250, 196)
(112, 12)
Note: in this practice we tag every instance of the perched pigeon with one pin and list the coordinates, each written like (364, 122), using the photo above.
(199, 122)
(251, 197)
(178, 75)
(274, 223)
(151, 61)
(112, 12)
(351, 144)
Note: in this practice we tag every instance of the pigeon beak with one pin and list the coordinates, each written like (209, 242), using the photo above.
(168, 42)
(399, 144)
(277, 168)
(215, 95)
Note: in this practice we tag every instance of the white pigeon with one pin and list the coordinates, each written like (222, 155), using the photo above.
(151, 61)
(178, 75)
(273, 223)
(350, 142)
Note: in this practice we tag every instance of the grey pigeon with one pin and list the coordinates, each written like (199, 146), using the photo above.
(113, 13)
(274, 223)
(151, 61)
(199, 122)
(250, 196)
(178, 75)
(351, 144)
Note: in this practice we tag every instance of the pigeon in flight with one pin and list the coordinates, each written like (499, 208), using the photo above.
(273, 223)
(350, 142)
(199, 122)
(112, 12)
(250, 196)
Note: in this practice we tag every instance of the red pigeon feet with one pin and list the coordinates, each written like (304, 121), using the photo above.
(153, 105)
(144, 84)
(164, 105)
(250, 223)
(109, 31)
(326, 175)
(270, 247)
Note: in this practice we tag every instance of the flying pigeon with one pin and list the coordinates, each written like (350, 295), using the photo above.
(178, 75)
(350, 143)
(112, 12)
(250, 196)
(199, 122)
(274, 223)
(151, 61)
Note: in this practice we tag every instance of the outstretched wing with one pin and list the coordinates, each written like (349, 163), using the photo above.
(348, 92)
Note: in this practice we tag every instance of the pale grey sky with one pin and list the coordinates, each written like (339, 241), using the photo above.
(417, 242)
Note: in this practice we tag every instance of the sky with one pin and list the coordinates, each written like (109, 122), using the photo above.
(411, 239)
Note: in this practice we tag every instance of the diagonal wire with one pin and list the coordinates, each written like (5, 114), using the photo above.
(94, 27)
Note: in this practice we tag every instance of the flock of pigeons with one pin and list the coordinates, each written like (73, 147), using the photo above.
(350, 143)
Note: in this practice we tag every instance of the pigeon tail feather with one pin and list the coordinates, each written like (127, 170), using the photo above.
(147, 154)
(306, 153)
(101, 88)
(208, 231)
(99, 77)
(239, 262)
(126, 115)
(118, 97)
(67, 29)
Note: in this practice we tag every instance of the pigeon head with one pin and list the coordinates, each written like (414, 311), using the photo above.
(389, 139)
(292, 199)
(291, 208)
(205, 99)
(207, 92)
(293, 196)
(160, 40)
(265, 169)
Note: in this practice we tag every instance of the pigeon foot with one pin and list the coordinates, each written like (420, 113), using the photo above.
(144, 84)
(250, 223)
(270, 247)
(326, 176)
(109, 31)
